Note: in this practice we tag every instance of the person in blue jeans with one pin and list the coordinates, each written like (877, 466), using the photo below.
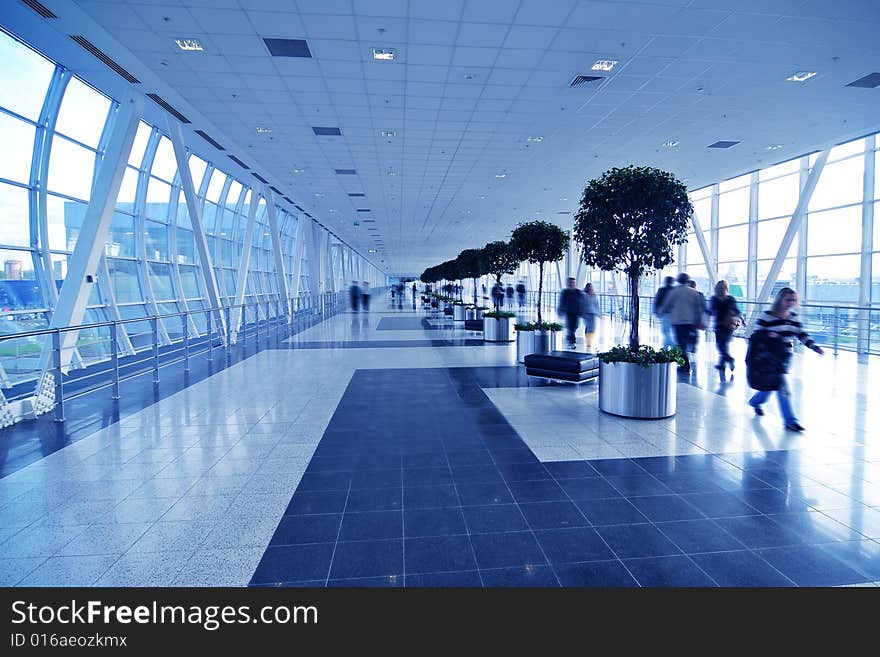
(781, 325)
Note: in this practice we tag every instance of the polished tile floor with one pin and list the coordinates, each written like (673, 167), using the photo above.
(338, 457)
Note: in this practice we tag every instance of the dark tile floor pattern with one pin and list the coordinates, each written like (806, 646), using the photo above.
(437, 489)
(404, 324)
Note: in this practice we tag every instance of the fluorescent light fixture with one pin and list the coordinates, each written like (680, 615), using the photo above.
(372, 251)
(500, 175)
(263, 131)
(801, 76)
(538, 139)
(388, 133)
(384, 54)
(671, 143)
(604, 65)
(188, 44)
(774, 147)
(298, 170)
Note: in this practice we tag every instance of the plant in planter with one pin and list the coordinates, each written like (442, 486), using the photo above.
(499, 259)
(539, 242)
(499, 330)
(630, 219)
(535, 338)
(470, 263)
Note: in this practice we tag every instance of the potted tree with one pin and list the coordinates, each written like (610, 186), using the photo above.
(630, 220)
(538, 242)
(470, 265)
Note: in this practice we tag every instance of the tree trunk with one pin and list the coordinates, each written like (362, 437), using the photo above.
(475, 291)
(540, 289)
(633, 278)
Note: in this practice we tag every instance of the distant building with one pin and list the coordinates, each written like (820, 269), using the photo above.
(13, 270)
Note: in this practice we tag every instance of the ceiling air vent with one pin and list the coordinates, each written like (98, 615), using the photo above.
(369, 221)
(327, 132)
(276, 190)
(164, 105)
(298, 208)
(116, 68)
(345, 172)
(722, 144)
(363, 209)
(204, 135)
(870, 81)
(350, 194)
(239, 162)
(288, 47)
(585, 80)
(40, 9)
(288, 199)
(563, 213)
(260, 178)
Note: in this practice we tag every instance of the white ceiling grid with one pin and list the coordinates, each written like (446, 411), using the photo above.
(474, 79)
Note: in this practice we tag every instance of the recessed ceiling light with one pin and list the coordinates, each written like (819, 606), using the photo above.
(188, 44)
(604, 65)
(500, 175)
(671, 143)
(319, 194)
(535, 139)
(263, 131)
(298, 170)
(384, 54)
(801, 76)
(388, 133)
(372, 251)
(392, 173)
(774, 147)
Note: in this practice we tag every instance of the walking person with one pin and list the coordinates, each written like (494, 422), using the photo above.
(509, 294)
(521, 294)
(498, 295)
(355, 293)
(365, 296)
(728, 318)
(665, 327)
(692, 345)
(571, 304)
(685, 311)
(769, 355)
(591, 311)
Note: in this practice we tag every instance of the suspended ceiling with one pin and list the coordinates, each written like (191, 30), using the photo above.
(474, 126)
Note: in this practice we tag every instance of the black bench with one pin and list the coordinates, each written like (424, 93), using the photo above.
(564, 365)
(473, 325)
(447, 311)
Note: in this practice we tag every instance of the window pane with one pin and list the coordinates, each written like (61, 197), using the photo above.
(120, 241)
(875, 278)
(786, 276)
(160, 279)
(65, 220)
(792, 166)
(124, 280)
(735, 183)
(847, 149)
(70, 169)
(18, 288)
(14, 223)
(17, 138)
(834, 278)
(778, 197)
(83, 113)
(733, 243)
(703, 213)
(24, 78)
(839, 184)
(770, 234)
(127, 191)
(197, 168)
(136, 155)
(158, 194)
(733, 207)
(156, 240)
(218, 179)
(189, 277)
(186, 247)
(735, 275)
(164, 164)
(835, 231)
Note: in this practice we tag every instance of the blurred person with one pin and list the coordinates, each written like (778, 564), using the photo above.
(591, 312)
(355, 293)
(508, 292)
(728, 318)
(685, 310)
(571, 304)
(695, 331)
(769, 355)
(365, 296)
(665, 327)
(498, 295)
(521, 294)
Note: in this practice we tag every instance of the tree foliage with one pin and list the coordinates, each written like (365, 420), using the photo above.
(470, 263)
(539, 242)
(499, 259)
(630, 219)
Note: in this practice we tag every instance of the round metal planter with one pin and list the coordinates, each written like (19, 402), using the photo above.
(459, 313)
(498, 329)
(470, 313)
(629, 390)
(534, 342)
(478, 313)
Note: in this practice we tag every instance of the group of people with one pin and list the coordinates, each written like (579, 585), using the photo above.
(360, 296)
(683, 311)
(575, 304)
